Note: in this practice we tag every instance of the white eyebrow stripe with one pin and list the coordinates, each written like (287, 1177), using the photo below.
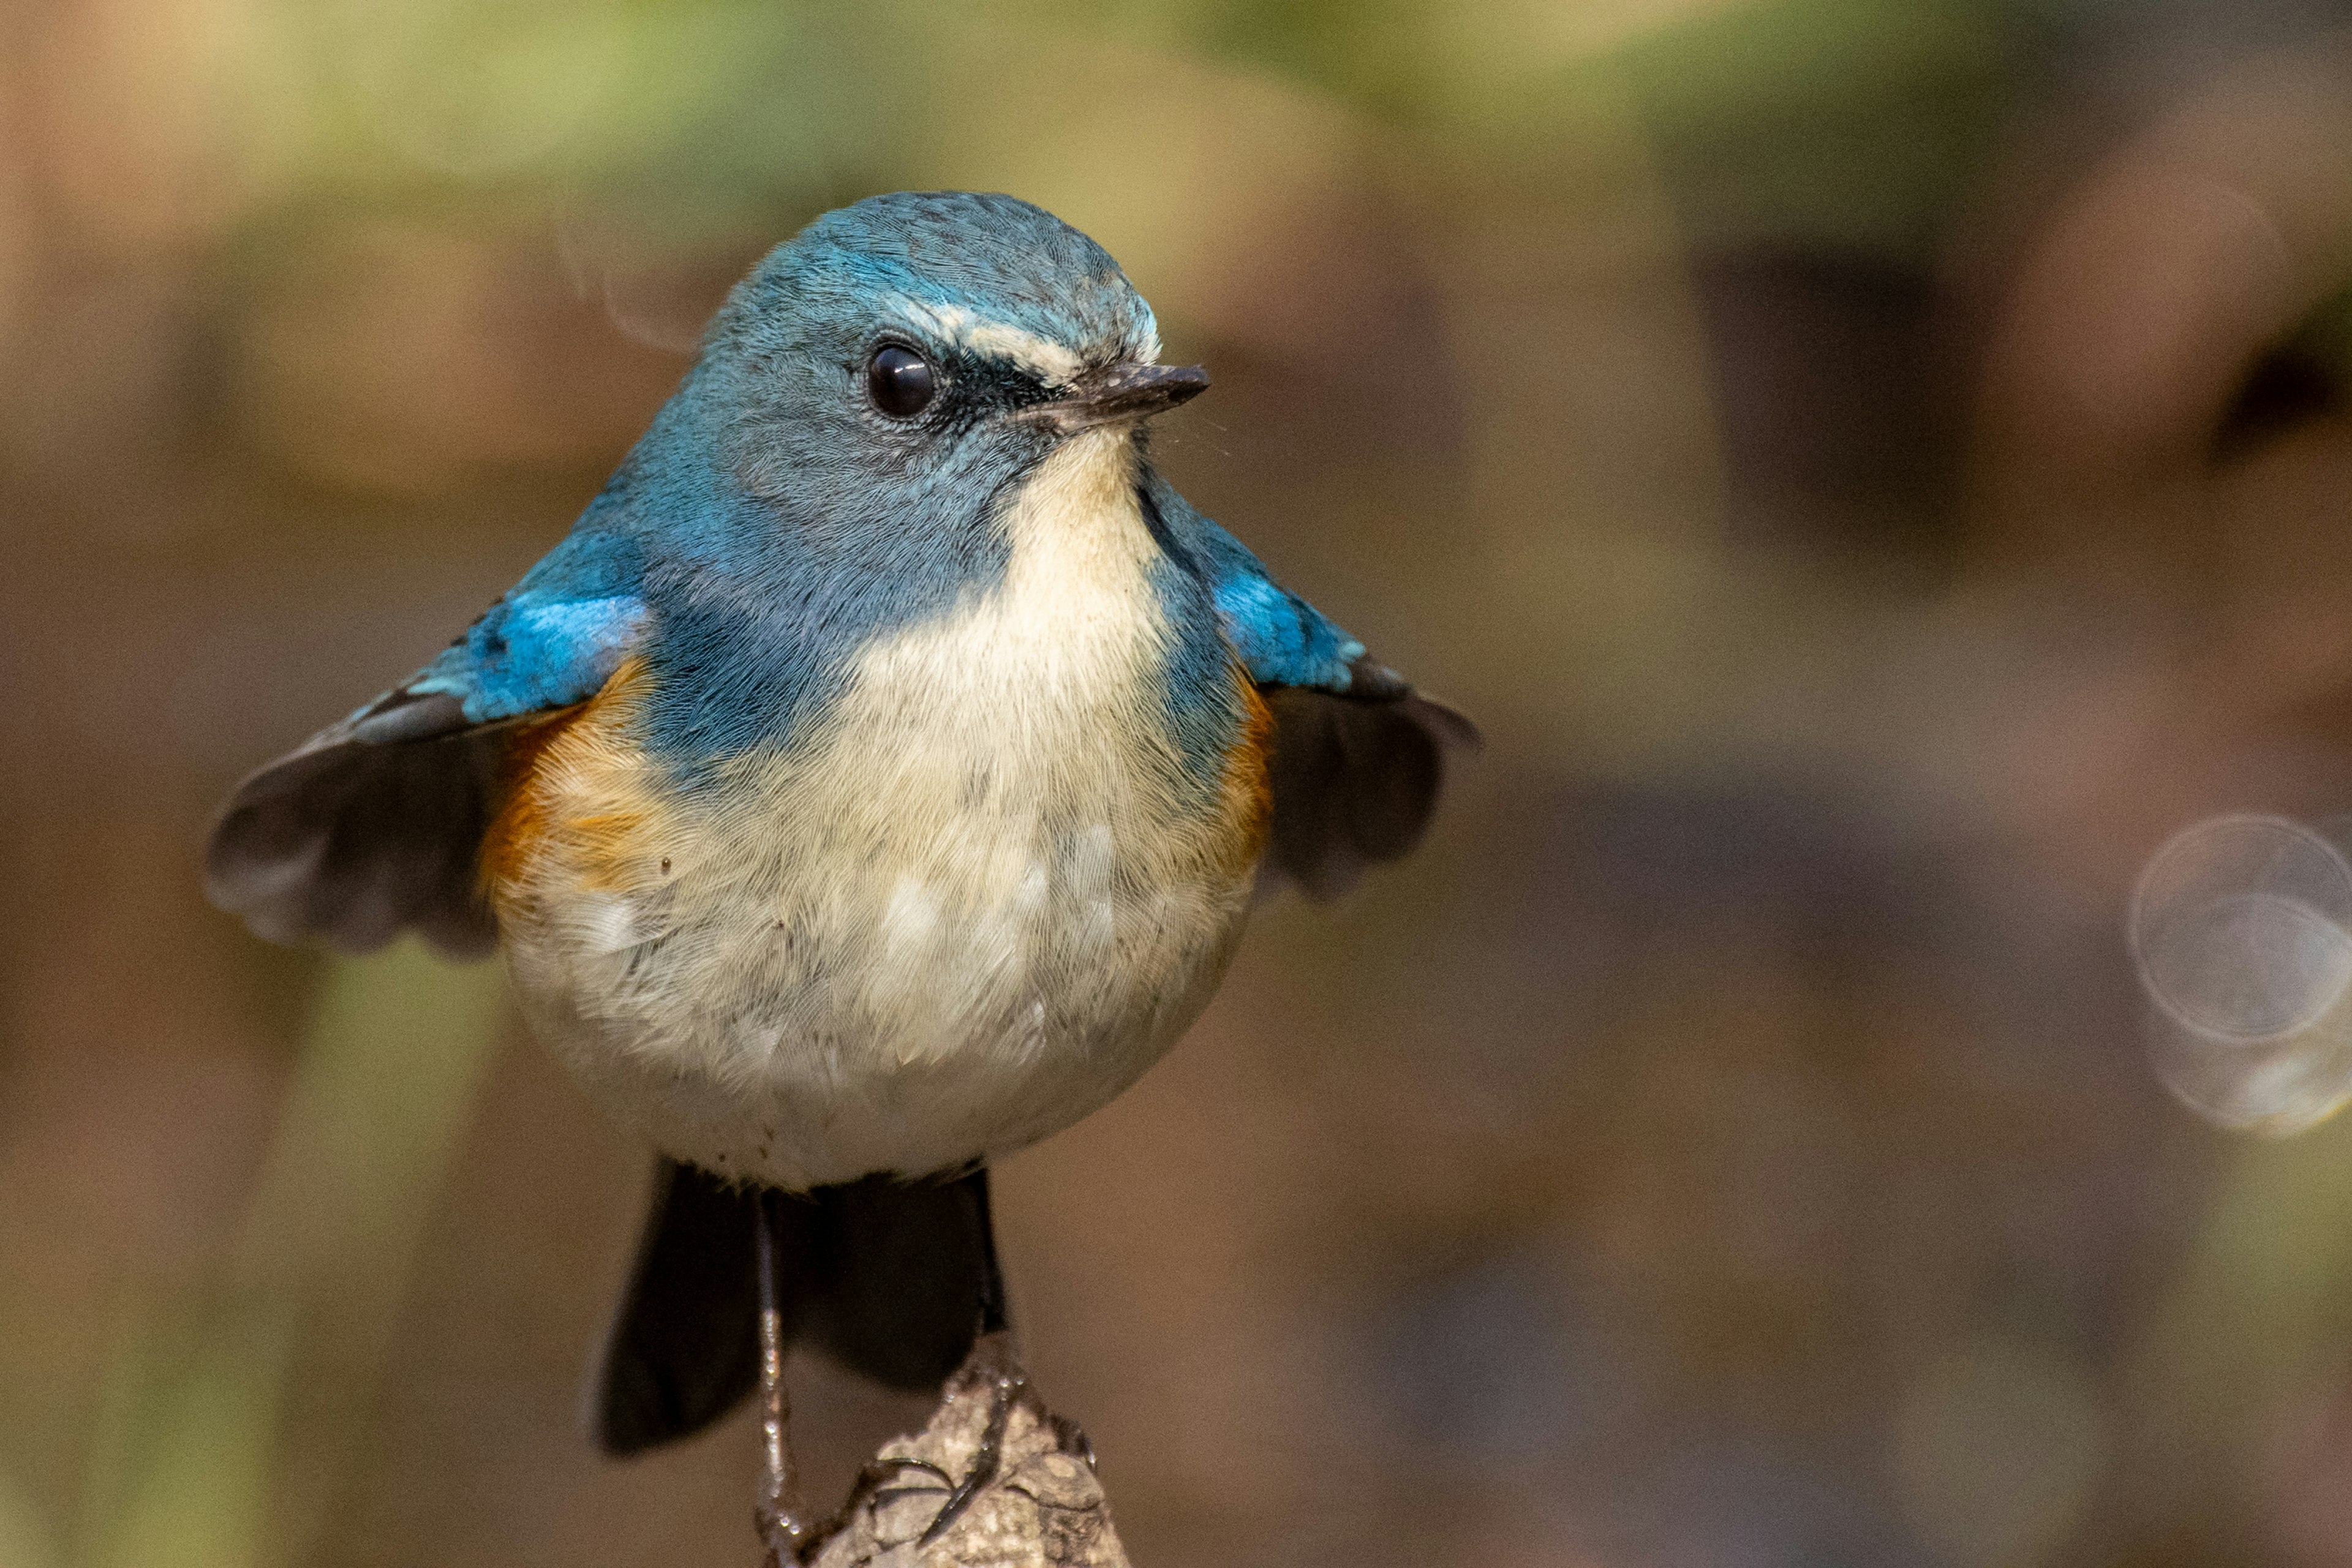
(1057, 365)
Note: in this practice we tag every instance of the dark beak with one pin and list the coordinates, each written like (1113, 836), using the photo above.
(1124, 394)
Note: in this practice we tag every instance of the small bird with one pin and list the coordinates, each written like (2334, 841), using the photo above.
(872, 782)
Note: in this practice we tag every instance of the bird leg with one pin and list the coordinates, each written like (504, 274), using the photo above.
(785, 1530)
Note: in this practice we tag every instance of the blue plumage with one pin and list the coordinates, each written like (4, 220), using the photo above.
(1279, 638)
(766, 527)
(874, 778)
(556, 639)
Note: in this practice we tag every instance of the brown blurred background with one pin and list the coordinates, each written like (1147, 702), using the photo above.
(1875, 467)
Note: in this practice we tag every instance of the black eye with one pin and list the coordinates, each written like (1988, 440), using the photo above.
(900, 381)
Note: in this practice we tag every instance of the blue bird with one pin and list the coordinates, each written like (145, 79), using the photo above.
(872, 782)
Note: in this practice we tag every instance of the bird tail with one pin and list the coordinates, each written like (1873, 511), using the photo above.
(893, 1279)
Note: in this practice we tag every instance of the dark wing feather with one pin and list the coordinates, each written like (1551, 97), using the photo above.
(1355, 776)
(373, 827)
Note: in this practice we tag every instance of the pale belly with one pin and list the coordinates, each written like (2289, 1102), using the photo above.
(773, 1009)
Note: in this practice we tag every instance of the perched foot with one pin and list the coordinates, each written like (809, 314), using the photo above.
(994, 1477)
(993, 1357)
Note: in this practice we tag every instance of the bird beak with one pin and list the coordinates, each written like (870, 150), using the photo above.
(1123, 394)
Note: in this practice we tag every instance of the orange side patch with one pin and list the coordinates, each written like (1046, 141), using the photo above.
(563, 755)
(1248, 790)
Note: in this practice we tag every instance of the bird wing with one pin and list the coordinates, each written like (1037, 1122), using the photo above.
(1357, 756)
(373, 825)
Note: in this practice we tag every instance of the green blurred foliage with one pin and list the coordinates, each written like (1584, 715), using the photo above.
(234, 1412)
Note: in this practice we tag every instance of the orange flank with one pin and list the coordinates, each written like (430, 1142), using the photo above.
(566, 790)
(1248, 794)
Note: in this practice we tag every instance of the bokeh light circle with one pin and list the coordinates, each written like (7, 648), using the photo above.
(2241, 929)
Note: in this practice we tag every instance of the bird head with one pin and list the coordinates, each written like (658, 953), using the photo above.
(880, 380)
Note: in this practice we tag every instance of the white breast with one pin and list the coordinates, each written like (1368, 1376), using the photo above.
(971, 908)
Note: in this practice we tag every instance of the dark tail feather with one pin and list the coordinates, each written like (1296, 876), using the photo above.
(908, 1278)
(893, 1279)
(684, 1347)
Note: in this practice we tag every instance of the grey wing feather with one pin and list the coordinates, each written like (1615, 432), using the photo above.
(1355, 776)
(373, 827)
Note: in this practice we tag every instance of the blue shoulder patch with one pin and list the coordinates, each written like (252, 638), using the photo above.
(555, 639)
(1282, 640)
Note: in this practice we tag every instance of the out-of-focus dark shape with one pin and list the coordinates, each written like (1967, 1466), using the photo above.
(1830, 376)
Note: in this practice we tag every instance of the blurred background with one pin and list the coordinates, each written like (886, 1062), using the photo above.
(1876, 468)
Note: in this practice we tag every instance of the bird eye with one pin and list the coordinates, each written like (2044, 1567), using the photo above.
(901, 380)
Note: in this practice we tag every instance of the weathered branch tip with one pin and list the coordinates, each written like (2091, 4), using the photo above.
(1043, 1508)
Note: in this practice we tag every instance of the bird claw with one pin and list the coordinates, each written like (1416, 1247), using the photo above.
(993, 1474)
(1006, 1383)
(993, 1369)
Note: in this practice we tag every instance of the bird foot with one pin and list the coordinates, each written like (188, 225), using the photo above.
(995, 1461)
(1002, 1381)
